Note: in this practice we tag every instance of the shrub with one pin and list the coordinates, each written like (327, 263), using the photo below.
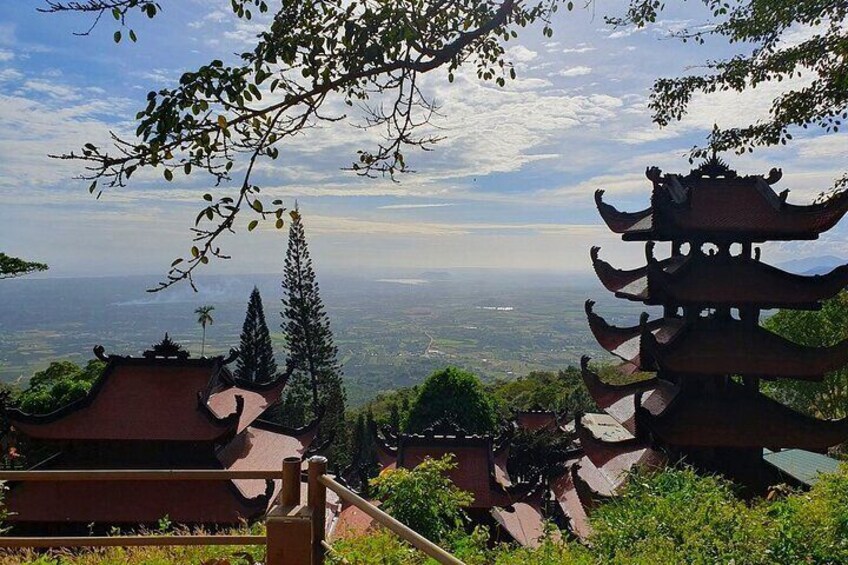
(424, 498)
(58, 385)
(455, 397)
(678, 517)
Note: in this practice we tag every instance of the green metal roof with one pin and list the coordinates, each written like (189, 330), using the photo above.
(803, 466)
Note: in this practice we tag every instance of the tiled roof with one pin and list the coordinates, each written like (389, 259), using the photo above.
(737, 417)
(714, 346)
(711, 209)
(710, 281)
(138, 399)
(803, 466)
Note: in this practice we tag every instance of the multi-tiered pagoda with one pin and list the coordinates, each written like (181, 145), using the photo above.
(708, 350)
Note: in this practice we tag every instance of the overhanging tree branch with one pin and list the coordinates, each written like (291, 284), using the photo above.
(367, 50)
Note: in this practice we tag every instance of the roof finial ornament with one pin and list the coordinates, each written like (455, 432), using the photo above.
(713, 167)
(166, 349)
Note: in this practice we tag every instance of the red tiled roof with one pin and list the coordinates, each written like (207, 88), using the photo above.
(624, 342)
(718, 280)
(619, 401)
(136, 399)
(524, 521)
(260, 447)
(222, 402)
(566, 496)
(735, 209)
(712, 346)
(729, 347)
(740, 418)
(352, 522)
(474, 471)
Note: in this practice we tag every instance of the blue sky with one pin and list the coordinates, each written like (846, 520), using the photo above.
(511, 186)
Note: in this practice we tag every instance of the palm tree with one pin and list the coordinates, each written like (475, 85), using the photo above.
(204, 316)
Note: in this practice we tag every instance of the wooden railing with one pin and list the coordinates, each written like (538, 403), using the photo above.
(294, 532)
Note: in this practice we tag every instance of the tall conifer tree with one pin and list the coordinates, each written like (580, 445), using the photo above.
(256, 360)
(309, 339)
(295, 410)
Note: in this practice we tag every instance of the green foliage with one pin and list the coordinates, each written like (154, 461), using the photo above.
(149, 555)
(774, 51)
(310, 341)
(58, 385)
(823, 328)
(11, 267)
(295, 409)
(539, 454)
(452, 397)
(813, 527)
(424, 498)
(365, 463)
(256, 355)
(678, 517)
(563, 391)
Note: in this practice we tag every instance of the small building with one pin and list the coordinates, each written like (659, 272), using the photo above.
(163, 410)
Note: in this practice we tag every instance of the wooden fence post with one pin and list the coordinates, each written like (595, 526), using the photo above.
(290, 491)
(290, 525)
(317, 500)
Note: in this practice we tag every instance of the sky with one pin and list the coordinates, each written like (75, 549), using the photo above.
(510, 186)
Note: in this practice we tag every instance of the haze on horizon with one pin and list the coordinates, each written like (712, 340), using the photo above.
(510, 187)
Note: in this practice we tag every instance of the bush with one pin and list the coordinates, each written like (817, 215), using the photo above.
(452, 397)
(678, 517)
(58, 385)
(424, 498)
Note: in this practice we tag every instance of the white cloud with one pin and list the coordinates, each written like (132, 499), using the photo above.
(580, 70)
(6, 55)
(580, 48)
(413, 206)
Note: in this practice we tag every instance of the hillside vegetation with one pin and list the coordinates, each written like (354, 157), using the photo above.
(668, 518)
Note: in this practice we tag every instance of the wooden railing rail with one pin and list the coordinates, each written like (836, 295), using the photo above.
(294, 534)
(129, 541)
(137, 475)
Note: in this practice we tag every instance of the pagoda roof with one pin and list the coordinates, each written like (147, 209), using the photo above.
(611, 452)
(264, 445)
(715, 346)
(258, 447)
(713, 203)
(524, 521)
(719, 280)
(155, 399)
(738, 417)
(566, 496)
(619, 401)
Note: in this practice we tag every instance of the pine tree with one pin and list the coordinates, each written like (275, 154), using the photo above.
(309, 339)
(256, 360)
(295, 409)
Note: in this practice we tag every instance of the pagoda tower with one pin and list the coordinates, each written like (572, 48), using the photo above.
(707, 349)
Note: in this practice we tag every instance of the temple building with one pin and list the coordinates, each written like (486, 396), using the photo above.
(707, 350)
(163, 410)
(514, 510)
